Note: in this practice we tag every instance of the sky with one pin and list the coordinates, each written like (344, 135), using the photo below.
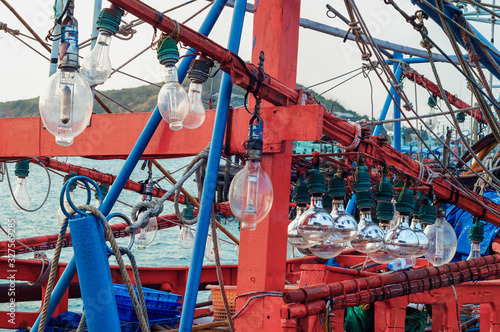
(320, 57)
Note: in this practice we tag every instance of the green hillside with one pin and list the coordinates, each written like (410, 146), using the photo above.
(143, 99)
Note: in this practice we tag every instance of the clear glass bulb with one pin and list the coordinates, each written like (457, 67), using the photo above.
(173, 101)
(196, 115)
(21, 194)
(186, 238)
(145, 236)
(389, 126)
(66, 105)
(345, 226)
(327, 248)
(210, 250)
(96, 66)
(401, 241)
(423, 241)
(442, 242)
(370, 236)
(316, 224)
(432, 122)
(475, 250)
(381, 256)
(251, 195)
(60, 214)
(294, 238)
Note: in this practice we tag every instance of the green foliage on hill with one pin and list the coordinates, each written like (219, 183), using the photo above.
(143, 99)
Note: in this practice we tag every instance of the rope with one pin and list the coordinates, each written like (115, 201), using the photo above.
(44, 272)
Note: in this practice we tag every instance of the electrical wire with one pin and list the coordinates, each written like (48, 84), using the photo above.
(332, 79)
(344, 81)
(112, 100)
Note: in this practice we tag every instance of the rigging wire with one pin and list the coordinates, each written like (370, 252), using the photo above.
(112, 100)
(344, 81)
(334, 78)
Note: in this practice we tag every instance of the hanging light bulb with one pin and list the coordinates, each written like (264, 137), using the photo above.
(345, 226)
(401, 241)
(96, 66)
(327, 248)
(198, 74)
(186, 238)
(316, 224)
(21, 197)
(173, 101)
(476, 236)
(370, 236)
(251, 190)
(210, 250)
(66, 100)
(432, 121)
(72, 186)
(416, 226)
(300, 197)
(389, 126)
(146, 235)
(381, 256)
(442, 240)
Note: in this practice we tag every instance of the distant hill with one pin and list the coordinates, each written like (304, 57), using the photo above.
(143, 99)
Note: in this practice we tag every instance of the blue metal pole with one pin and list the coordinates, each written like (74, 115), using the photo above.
(94, 275)
(388, 101)
(397, 104)
(97, 11)
(58, 8)
(351, 206)
(59, 290)
(133, 158)
(207, 200)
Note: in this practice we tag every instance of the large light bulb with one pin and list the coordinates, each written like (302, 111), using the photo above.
(442, 241)
(475, 250)
(294, 238)
(389, 126)
(21, 194)
(196, 115)
(251, 195)
(173, 101)
(96, 66)
(432, 122)
(401, 241)
(66, 105)
(210, 249)
(186, 238)
(345, 226)
(316, 224)
(60, 214)
(145, 236)
(327, 248)
(370, 236)
(381, 256)
(423, 241)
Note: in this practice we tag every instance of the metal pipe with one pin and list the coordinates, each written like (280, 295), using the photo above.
(94, 274)
(207, 199)
(397, 104)
(95, 32)
(387, 104)
(58, 8)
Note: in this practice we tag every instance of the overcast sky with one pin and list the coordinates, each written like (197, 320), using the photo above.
(321, 57)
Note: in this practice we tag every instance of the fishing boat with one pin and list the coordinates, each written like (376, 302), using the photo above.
(352, 274)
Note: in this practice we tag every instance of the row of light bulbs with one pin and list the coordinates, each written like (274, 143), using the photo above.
(66, 101)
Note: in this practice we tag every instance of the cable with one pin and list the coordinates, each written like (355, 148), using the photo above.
(334, 78)
(344, 81)
(102, 94)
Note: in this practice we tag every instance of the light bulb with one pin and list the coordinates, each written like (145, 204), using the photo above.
(210, 250)
(145, 236)
(60, 214)
(173, 101)
(381, 256)
(345, 226)
(327, 248)
(423, 241)
(370, 236)
(294, 238)
(432, 122)
(21, 194)
(196, 115)
(96, 66)
(401, 241)
(251, 195)
(442, 241)
(475, 250)
(66, 105)
(316, 224)
(389, 126)
(186, 238)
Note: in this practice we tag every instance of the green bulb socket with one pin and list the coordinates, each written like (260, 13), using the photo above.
(384, 211)
(405, 201)
(461, 117)
(188, 212)
(72, 186)
(336, 186)
(168, 53)
(316, 182)
(104, 191)
(22, 168)
(427, 212)
(327, 202)
(383, 191)
(432, 101)
(416, 208)
(364, 200)
(361, 179)
(300, 193)
(109, 20)
(476, 233)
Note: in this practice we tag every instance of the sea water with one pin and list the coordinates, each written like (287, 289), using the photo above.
(164, 251)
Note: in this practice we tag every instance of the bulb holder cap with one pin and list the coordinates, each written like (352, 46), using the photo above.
(300, 193)
(364, 200)
(383, 191)
(168, 53)
(327, 202)
(361, 179)
(73, 184)
(199, 69)
(432, 101)
(104, 188)
(22, 168)
(476, 233)
(68, 48)
(427, 212)
(336, 186)
(461, 117)
(405, 202)
(109, 20)
(188, 212)
(316, 182)
(384, 211)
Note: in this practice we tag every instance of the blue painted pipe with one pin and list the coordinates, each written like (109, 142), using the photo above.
(351, 206)
(387, 104)
(58, 6)
(207, 200)
(132, 159)
(414, 60)
(397, 104)
(97, 12)
(94, 275)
